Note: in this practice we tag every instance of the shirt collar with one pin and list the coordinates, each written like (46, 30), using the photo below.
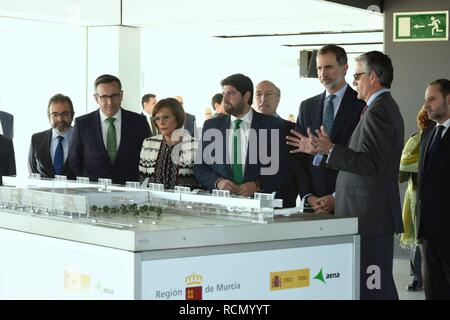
(117, 116)
(145, 113)
(339, 94)
(247, 118)
(376, 94)
(66, 134)
(446, 123)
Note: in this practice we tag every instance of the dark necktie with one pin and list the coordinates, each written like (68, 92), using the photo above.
(236, 166)
(434, 146)
(111, 139)
(329, 113)
(58, 160)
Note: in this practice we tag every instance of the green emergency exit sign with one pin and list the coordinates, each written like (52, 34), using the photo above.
(421, 26)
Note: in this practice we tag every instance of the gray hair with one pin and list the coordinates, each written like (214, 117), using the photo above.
(379, 63)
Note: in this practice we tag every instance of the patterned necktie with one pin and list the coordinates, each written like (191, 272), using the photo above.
(58, 159)
(434, 146)
(111, 139)
(236, 166)
(329, 113)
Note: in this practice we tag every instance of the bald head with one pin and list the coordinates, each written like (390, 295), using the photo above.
(267, 97)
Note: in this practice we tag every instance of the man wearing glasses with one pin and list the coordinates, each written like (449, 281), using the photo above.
(49, 149)
(367, 182)
(339, 110)
(107, 143)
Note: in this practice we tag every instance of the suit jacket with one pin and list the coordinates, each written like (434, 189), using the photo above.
(7, 159)
(213, 165)
(367, 182)
(40, 159)
(7, 121)
(88, 156)
(433, 208)
(320, 181)
(189, 124)
(289, 190)
(153, 130)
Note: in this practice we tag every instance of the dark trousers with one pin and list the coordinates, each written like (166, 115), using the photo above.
(436, 269)
(415, 260)
(377, 253)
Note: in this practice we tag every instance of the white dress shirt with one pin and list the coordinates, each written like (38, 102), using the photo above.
(117, 124)
(65, 143)
(244, 132)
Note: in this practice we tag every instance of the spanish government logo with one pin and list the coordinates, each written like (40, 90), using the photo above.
(75, 281)
(289, 279)
(194, 286)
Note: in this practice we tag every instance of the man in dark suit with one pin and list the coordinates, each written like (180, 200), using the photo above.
(49, 149)
(189, 122)
(433, 209)
(7, 159)
(107, 143)
(367, 182)
(234, 146)
(148, 102)
(6, 124)
(339, 109)
(267, 98)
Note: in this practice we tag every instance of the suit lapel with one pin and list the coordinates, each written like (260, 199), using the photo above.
(46, 156)
(98, 136)
(317, 116)
(427, 136)
(123, 133)
(444, 145)
(343, 114)
(255, 125)
(223, 126)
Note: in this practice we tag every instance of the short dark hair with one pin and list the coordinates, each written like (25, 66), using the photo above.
(107, 78)
(59, 97)
(339, 53)
(379, 63)
(217, 98)
(242, 84)
(174, 106)
(146, 98)
(444, 86)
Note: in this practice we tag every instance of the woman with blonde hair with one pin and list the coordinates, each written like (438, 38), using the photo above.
(409, 166)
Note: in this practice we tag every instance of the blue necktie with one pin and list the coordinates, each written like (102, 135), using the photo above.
(329, 114)
(434, 146)
(58, 161)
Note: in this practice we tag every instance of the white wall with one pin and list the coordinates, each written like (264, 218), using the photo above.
(42, 59)
(78, 12)
(183, 64)
(36, 64)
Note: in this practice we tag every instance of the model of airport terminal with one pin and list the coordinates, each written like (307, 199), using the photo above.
(86, 240)
(129, 205)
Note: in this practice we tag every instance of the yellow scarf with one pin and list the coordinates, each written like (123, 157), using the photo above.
(409, 162)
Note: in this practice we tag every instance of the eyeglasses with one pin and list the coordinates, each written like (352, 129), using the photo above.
(64, 114)
(113, 97)
(163, 118)
(356, 76)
